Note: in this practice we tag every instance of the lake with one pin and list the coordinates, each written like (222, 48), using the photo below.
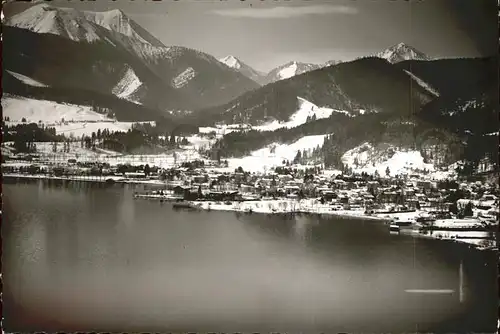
(89, 257)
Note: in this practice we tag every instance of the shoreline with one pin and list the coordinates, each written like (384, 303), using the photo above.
(75, 178)
(442, 235)
(276, 207)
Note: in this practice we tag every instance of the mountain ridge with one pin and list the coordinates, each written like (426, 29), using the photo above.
(370, 84)
(210, 82)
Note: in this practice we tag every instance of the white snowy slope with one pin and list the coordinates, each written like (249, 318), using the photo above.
(367, 158)
(65, 22)
(423, 84)
(306, 109)
(184, 77)
(79, 25)
(274, 154)
(231, 61)
(27, 80)
(17, 108)
(127, 85)
(65, 118)
(116, 20)
(113, 27)
(289, 70)
(78, 129)
(246, 70)
(401, 52)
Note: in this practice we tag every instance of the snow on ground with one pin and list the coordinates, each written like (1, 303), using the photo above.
(366, 158)
(27, 80)
(127, 85)
(86, 128)
(306, 109)
(183, 79)
(198, 141)
(422, 83)
(231, 61)
(33, 110)
(288, 71)
(159, 160)
(219, 130)
(274, 154)
(78, 119)
(167, 160)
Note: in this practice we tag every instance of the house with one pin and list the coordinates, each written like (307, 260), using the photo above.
(181, 190)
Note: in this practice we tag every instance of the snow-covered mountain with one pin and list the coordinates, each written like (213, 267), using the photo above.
(246, 70)
(113, 43)
(289, 70)
(401, 52)
(80, 25)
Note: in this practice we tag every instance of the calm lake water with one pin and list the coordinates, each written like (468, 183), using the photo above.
(91, 258)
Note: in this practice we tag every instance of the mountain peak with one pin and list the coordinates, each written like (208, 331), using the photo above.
(80, 25)
(400, 52)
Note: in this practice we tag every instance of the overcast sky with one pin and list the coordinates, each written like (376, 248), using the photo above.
(265, 34)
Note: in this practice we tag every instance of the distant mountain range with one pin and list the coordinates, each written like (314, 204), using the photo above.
(394, 54)
(369, 84)
(105, 59)
(446, 105)
(281, 72)
(109, 53)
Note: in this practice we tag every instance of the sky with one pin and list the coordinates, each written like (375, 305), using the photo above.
(267, 33)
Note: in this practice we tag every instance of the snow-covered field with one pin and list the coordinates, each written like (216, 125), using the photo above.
(198, 141)
(113, 158)
(366, 158)
(273, 155)
(86, 128)
(78, 120)
(306, 109)
(17, 108)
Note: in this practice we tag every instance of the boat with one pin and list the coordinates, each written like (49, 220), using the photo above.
(393, 228)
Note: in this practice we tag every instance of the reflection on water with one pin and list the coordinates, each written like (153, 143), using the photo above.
(98, 259)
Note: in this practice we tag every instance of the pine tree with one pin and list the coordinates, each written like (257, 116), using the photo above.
(298, 157)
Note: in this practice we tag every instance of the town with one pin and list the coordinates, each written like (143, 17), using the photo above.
(454, 209)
